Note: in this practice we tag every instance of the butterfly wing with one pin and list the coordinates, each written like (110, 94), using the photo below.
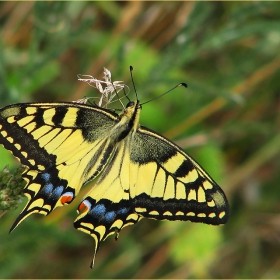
(106, 209)
(168, 184)
(149, 176)
(62, 145)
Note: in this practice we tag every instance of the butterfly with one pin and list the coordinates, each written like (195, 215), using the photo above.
(140, 174)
